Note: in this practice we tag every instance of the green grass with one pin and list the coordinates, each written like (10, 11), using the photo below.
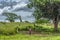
(10, 27)
(30, 37)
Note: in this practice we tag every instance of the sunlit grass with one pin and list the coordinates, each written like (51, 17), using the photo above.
(11, 27)
(30, 37)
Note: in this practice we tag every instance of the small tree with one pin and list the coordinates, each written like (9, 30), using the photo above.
(19, 17)
(10, 16)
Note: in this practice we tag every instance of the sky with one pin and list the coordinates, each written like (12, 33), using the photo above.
(22, 10)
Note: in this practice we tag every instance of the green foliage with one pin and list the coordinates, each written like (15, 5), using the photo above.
(11, 28)
(42, 29)
(19, 17)
(41, 21)
(10, 16)
(40, 36)
(46, 9)
(26, 21)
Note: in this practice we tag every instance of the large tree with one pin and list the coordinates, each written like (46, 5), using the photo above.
(10, 16)
(46, 9)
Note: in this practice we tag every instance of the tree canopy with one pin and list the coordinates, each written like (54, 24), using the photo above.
(10, 16)
(46, 9)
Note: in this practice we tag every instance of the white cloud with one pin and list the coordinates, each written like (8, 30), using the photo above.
(19, 5)
(0, 4)
(4, 9)
(22, 4)
(1, 11)
(17, 0)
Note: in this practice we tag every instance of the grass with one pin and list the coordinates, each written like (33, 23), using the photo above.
(10, 27)
(30, 37)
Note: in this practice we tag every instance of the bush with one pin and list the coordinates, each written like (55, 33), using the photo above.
(3, 22)
(41, 29)
(41, 21)
(7, 33)
(17, 29)
(26, 28)
(27, 22)
(36, 28)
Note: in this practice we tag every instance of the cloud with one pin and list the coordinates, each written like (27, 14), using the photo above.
(22, 4)
(1, 11)
(22, 10)
(14, 7)
(5, 9)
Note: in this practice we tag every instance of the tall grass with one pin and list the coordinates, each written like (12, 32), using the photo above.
(30, 37)
(10, 28)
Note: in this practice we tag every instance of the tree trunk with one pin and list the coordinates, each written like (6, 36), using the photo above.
(11, 20)
(55, 24)
(20, 20)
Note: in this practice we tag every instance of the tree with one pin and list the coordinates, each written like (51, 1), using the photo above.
(19, 17)
(46, 9)
(10, 16)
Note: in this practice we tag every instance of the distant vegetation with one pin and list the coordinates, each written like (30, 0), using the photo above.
(11, 28)
(11, 16)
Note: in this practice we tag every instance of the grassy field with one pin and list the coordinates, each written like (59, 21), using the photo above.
(10, 27)
(30, 37)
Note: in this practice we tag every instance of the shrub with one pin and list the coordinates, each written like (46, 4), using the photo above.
(3, 22)
(17, 29)
(41, 21)
(7, 33)
(27, 22)
(41, 29)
